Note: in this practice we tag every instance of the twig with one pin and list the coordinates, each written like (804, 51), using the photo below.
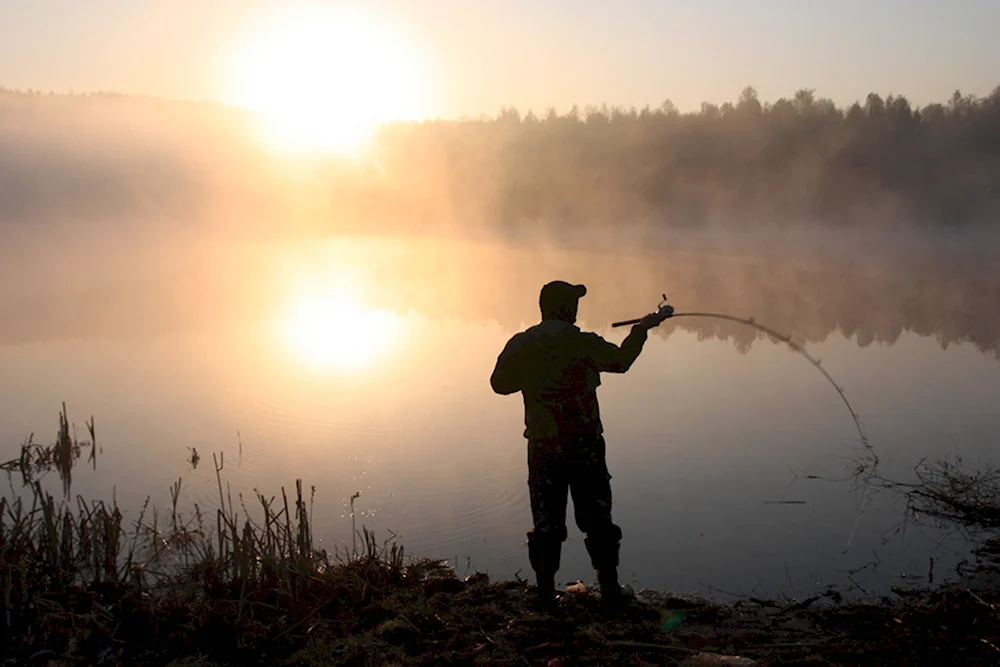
(287, 630)
(980, 600)
(411, 623)
(783, 645)
(799, 605)
(649, 646)
(711, 589)
(544, 645)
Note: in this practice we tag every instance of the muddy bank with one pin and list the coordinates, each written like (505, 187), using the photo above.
(362, 614)
(497, 624)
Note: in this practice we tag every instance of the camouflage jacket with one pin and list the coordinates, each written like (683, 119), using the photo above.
(557, 368)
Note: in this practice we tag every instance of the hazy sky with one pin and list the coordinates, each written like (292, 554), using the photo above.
(533, 53)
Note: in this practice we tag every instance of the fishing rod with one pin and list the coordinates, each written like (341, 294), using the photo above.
(665, 309)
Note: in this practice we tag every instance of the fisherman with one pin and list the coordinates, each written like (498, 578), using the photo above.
(557, 368)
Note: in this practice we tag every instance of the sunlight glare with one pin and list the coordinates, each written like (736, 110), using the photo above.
(323, 80)
(332, 329)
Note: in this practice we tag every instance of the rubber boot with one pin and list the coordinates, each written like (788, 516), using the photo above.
(544, 553)
(612, 596)
(545, 591)
(604, 558)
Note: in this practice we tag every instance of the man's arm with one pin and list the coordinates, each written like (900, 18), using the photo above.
(507, 376)
(611, 358)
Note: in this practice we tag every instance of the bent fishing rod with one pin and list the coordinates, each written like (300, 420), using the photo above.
(664, 309)
(668, 311)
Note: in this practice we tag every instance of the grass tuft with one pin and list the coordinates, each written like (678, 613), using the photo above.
(242, 584)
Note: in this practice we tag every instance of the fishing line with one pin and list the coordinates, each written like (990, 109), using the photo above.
(787, 340)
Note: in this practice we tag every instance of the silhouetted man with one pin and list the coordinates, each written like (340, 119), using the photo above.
(557, 368)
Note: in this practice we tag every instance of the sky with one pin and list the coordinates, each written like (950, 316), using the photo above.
(477, 56)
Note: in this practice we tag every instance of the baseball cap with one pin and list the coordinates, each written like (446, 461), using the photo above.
(561, 291)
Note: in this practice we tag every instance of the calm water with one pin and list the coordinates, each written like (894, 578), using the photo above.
(363, 365)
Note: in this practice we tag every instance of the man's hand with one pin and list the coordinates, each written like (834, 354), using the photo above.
(655, 319)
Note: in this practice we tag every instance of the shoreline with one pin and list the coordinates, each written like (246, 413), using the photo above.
(367, 612)
(84, 585)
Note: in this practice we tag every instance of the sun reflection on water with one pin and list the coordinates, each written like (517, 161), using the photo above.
(332, 328)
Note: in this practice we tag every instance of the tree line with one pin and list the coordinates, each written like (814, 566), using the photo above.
(796, 161)
(799, 160)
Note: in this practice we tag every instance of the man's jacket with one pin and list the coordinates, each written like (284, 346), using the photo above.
(557, 368)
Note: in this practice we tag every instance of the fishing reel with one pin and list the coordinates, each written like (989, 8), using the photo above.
(663, 308)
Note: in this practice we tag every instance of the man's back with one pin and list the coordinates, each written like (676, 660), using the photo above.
(557, 369)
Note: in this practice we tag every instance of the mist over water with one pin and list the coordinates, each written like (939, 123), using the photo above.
(867, 297)
(233, 294)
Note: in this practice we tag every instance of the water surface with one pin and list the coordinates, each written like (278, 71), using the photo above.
(362, 365)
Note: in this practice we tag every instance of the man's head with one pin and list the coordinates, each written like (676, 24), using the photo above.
(559, 300)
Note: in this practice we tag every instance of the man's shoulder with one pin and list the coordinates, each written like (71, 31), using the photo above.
(533, 332)
(556, 333)
(523, 335)
(590, 337)
(519, 339)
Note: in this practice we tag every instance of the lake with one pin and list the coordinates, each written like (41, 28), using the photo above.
(361, 365)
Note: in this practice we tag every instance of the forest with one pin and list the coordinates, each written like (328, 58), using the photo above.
(798, 161)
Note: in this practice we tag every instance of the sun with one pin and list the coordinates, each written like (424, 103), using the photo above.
(332, 329)
(322, 80)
